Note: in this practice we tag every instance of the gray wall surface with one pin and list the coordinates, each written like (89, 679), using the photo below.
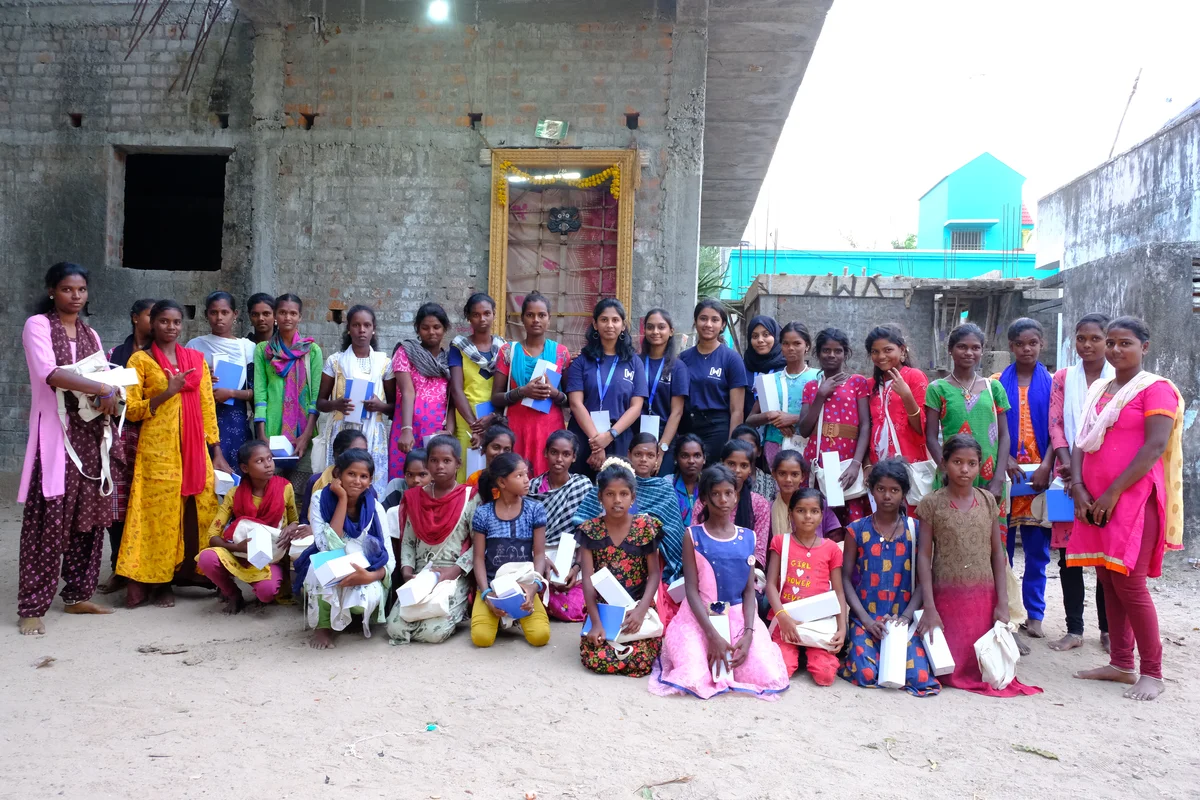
(1153, 282)
(382, 201)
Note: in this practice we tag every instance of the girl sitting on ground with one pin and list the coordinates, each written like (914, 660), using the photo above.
(626, 544)
(510, 528)
(814, 566)
(347, 439)
(261, 497)
(347, 515)
(561, 493)
(718, 569)
(962, 566)
(881, 582)
(437, 535)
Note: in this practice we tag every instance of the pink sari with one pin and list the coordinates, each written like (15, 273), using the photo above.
(683, 667)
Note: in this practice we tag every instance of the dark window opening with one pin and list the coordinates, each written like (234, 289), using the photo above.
(307, 120)
(335, 315)
(475, 117)
(223, 120)
(76, 120)
(174, 210)
(189, 311)
(631, 121)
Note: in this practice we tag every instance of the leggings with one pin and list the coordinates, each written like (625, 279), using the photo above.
(1074, 594)
(485, 624)
(1132, 618)
(713, 428)
(265, 590)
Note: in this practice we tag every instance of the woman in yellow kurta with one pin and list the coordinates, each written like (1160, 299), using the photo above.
(171, 498)
(472, 362)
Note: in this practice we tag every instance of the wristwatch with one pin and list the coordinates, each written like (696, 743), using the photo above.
(664, 446)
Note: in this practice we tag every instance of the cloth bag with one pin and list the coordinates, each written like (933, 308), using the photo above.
(920, 474)
(436, 604)
(817, 633)
(857, 489)
(998, 654)
(652, 628)
(96, 362)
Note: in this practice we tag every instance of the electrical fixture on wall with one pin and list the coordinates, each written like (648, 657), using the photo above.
(439, 11)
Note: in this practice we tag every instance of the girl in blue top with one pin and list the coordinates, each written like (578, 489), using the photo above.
(716, 381)
(606, 387)
(667, 381)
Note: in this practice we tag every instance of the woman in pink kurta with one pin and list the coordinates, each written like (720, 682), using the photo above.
(1128, 501)
(422, 384)
(65, 514)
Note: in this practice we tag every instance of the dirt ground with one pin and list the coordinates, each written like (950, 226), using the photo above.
(189, 703)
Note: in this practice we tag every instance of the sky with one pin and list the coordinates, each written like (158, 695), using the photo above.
(900, 93)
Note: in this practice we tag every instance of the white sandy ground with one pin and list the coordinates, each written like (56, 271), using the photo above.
(248, 710)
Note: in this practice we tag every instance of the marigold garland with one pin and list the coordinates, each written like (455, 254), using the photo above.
(612, 174)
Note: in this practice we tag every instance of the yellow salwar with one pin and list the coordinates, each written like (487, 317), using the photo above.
(477, 389)
(152, 547)
(240, 568)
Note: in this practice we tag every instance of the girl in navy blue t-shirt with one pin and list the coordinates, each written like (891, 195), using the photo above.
(667, 382)
(606, 387)
(716, 381)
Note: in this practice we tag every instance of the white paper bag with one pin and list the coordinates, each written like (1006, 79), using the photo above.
(564, 557)
(436, 604)
(998, 655)
(893, 656)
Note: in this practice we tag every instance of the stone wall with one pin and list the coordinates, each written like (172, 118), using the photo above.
(1153, 282)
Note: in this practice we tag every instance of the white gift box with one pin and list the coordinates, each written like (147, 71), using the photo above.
(330, 572)
(937, 649)
(564, 557)
(611, 589)
(281, 447)
(720, 671)
(223, 483)
(298, 546)
(418, 588)
(504, 586)
(260, 541)
(676, 591)
(767, 391)
(831, 464)
(818, 606)
(893, 656)
(121, 376)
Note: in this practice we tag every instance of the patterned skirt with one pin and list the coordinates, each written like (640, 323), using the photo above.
(124, 457)
(603, 659)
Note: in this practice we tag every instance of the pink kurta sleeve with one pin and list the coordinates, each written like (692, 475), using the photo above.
(1058, 391)
(39, 352)
(1160, 398)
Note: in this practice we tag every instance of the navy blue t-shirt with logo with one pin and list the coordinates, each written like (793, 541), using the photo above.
(673, 383)
(712, 376)
(628, 382)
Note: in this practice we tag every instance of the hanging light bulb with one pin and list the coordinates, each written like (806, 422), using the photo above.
(439, 11)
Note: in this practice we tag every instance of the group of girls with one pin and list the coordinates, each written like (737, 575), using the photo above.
(670, 467)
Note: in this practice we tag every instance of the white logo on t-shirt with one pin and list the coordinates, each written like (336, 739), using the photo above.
(629, 375)
(715, 372)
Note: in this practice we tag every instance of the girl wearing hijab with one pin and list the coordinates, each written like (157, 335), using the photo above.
(763, 355)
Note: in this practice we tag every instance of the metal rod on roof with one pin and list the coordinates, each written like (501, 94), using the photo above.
(1132, 91)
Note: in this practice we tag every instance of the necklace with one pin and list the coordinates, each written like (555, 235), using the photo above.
(966, 390)
(896, 528)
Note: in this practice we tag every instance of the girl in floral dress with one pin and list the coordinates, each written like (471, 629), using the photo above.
(627, 545)
(836, 418)
(422, 379)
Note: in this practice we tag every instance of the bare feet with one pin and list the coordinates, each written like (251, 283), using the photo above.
(1068, 642)
(114, 584)
(31, 626)
(1022, 645)
(1107, 673)
(136, 594)
(1033, 627)
(232, 605)
(87, 607)
(164, 597)
(1146, 688)
(1106, 643)
(322, 639)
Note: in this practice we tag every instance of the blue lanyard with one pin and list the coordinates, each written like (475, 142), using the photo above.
(608, 381)
(654, 383)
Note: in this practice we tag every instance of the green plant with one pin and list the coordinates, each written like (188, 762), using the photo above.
(909, 243)
(711, 280)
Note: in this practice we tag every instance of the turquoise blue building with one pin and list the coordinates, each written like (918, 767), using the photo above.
(972, 223)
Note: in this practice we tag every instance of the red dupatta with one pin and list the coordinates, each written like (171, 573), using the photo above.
(433, 518)
(193, 448)
(271, 508)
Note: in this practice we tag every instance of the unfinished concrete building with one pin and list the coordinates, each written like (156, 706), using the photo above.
(340, 150)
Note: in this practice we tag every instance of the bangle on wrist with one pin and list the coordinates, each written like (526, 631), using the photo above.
(406, 428)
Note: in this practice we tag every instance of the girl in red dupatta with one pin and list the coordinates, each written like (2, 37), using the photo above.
(261, 497)
(437, 536)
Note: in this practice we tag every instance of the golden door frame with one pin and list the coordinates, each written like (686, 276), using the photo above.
(626, 160)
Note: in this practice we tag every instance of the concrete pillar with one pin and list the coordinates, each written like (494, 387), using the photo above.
(267, 120)
(685, 158)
